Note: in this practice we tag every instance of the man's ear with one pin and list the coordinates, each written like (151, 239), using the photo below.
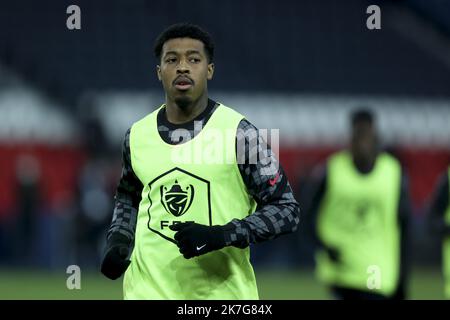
(158, 72)
(210, 71)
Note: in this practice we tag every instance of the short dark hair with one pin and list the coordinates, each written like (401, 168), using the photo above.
(362, 115)
(185, 30)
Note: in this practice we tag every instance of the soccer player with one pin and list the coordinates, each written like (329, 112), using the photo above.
(440, 222)
(188, 223)
(359, 212)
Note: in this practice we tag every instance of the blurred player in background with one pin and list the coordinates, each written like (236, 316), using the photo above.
(191, 223)
(359, 213)
(440, 223)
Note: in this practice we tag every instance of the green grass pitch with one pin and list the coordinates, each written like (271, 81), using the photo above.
(272, 284)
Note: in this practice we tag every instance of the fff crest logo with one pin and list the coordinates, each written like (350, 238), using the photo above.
(177, 200)
(177, 196)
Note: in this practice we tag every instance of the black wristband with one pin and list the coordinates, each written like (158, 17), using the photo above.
(117, 239)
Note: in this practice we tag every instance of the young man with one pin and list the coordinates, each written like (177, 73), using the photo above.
(191, 219)
(359, 215)
(439, 217)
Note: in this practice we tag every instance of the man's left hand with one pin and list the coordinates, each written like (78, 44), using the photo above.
(195, 239)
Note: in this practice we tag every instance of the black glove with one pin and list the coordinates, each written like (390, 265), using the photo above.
(115, 261)
(195, 239)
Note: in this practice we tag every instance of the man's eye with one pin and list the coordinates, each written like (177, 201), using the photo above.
(194, 60)
(171, 60)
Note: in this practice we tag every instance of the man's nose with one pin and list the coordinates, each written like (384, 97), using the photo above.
(183, 67)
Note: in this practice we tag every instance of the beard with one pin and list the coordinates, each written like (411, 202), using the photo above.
(183, 102)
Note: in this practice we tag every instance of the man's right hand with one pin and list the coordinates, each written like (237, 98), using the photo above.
(115, 261)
